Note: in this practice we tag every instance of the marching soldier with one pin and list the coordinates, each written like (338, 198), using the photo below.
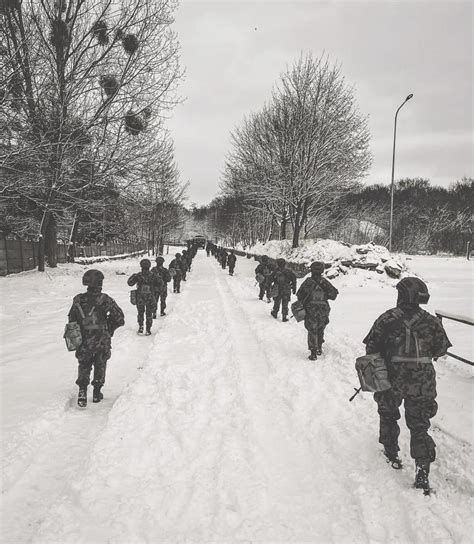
(263, 274)
(231, 260)
(283, 283)
(176, 272)
(314, 294)
(98, 316)
(160, 295)
(409, 338)
(147, 285)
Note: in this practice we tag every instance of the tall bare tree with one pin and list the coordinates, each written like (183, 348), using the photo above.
(85, 83)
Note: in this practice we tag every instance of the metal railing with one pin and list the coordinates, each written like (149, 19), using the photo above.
(459, 319)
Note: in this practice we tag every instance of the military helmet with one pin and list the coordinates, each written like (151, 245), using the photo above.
(264, 258)
(145, 263)
(178, 255)
(317, 267)
(413, 290)
(280, 262)
(93, 278)
(160, 260)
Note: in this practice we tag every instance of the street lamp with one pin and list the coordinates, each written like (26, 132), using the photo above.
(393, 171)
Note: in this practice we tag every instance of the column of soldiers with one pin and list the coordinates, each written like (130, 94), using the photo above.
(406, 337)
(226, 260)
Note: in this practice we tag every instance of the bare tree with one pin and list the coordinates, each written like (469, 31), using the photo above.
(85, 81)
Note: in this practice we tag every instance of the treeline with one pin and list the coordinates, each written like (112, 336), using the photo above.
(295, 171)
(84, 155)
(426, 219)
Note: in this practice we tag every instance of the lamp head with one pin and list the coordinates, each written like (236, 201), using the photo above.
(408, 97)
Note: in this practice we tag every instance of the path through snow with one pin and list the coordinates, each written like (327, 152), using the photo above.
(217, 428)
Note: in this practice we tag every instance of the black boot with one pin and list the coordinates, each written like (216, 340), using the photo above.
(313, 355)
(393, 459)
(319, 351)
(140, 329)
(284, 318)
(273, 314)
(154, 315)
(148, 332)
(82, 397)
(97, 395)
(421, 478)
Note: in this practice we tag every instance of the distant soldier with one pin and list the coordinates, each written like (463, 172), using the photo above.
(176, 272)
(147, 284)
(161, 294)
(409, 338)
(263, 274)
(283, 283)
(314, 294)
(223, 259)
(208, 248)
(231, 260)
(98, 316)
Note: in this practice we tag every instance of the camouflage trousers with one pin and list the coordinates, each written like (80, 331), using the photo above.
(284, 301)
(231, 269)
(98, 359)
(264, 290)
(146, 309)
(416, 386)
(161, 298)
(315, 322)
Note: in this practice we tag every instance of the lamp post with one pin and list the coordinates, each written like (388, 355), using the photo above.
(393, 171)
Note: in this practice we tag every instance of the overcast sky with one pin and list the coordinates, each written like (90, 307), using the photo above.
(234, 51)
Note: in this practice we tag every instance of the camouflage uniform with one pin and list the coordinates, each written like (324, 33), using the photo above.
(314, 294)
(98, 316)
(413, 382)
(231, 261)
(147, 284)
(284, 281)
(177, 274)
(266, 270)
(161, 294)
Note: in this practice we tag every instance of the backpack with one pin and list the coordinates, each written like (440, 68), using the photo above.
(72, 335)
(372, 373)
(317, 294)
(413, 344)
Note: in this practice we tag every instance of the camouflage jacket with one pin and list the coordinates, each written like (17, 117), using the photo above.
(98, 316)
(286, 281)
(163, 273)
(265, 269)
(384, 336)
(310, 295)
(231, 259)
(177, 266)
(147, 285)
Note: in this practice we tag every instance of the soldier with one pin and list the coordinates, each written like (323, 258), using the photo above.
(283, 283)
(231, 260)
(184, 263)
(223, 258)
(409, 338)
(176, 272)
(147, 284)
(314, 294)
(98, 316)
(208, 248)
(263, 274)
(160, 295)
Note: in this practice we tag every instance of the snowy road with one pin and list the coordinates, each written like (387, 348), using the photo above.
(217, 428)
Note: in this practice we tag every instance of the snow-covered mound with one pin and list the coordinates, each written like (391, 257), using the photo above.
(338, 256)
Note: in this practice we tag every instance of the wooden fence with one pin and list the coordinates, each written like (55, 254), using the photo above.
(21, 255)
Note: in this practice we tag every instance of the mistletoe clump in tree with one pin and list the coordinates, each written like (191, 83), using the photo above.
(58, 54)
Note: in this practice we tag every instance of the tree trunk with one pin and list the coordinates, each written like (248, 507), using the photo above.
(284, 222)
(51, 242)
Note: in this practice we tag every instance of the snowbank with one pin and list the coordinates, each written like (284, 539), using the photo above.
(103, 258)
(338, 257)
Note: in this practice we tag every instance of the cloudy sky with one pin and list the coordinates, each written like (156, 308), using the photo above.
(234, 52)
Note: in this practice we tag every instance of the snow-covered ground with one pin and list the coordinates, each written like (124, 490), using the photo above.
(217, 428)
